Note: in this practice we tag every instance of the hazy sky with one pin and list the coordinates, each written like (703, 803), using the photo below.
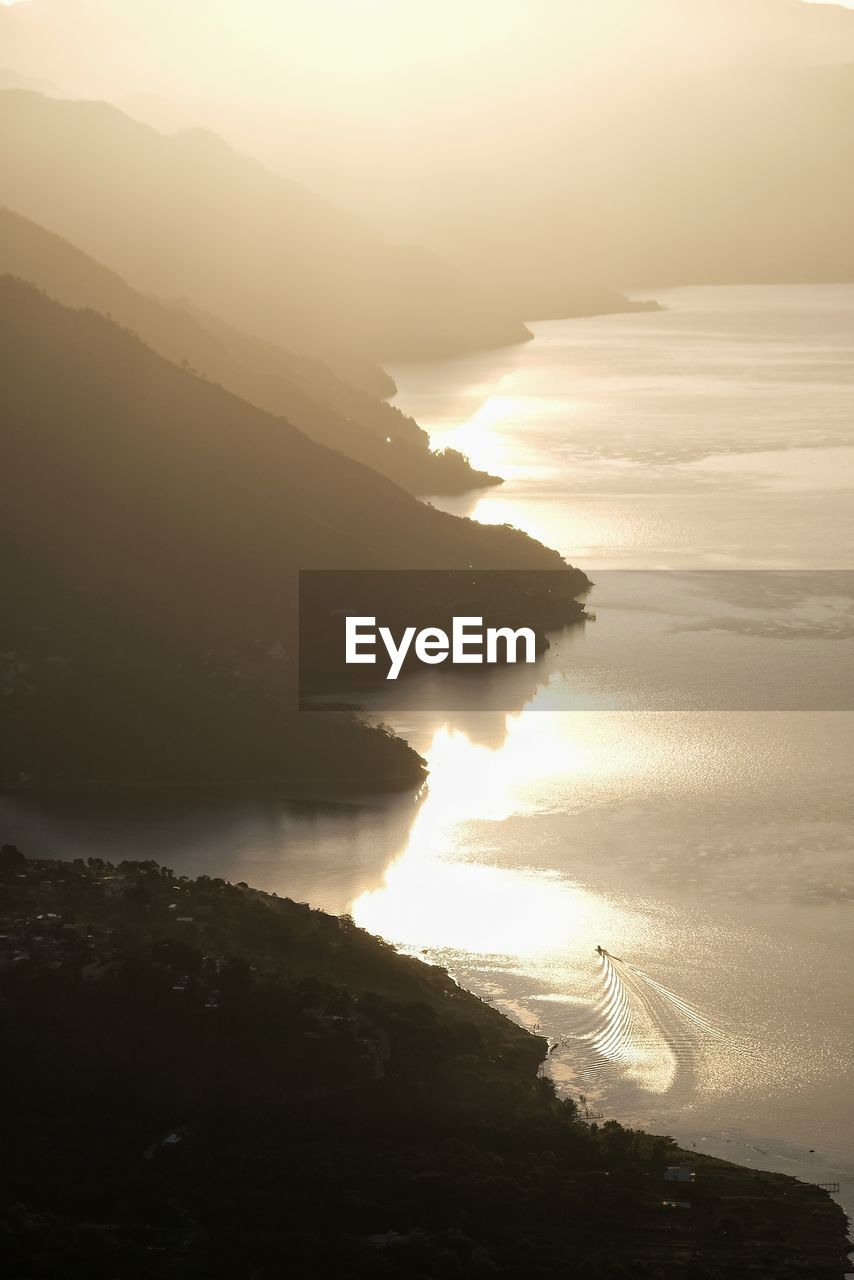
(311, 51)
(340, 93)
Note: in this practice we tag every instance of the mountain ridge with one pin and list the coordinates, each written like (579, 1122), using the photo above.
(301, 389)
(153, 527)
(248, 1083)
(180, 214)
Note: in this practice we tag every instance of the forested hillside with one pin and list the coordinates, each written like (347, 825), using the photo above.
(153, 527)
(302, 389)
(212, 1082)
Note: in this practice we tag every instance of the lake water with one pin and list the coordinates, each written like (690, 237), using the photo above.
(709, 852)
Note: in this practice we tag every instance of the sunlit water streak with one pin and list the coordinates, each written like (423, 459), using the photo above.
(712, 852)
(524, 934)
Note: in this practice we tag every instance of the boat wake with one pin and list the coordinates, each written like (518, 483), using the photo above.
(651, 1034)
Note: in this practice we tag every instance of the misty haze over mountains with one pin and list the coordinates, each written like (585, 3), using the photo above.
(549, 150)
(151, 532)
(234, 238)
(517, 167)
(186, 216)
(304, 390)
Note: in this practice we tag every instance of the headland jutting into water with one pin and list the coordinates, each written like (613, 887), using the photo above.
(207, 1080)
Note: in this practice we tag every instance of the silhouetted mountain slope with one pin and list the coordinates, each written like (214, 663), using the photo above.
(297, 387)
(151, 530)
(206, 1082)
(187, 215)
(10, 79)
(557, 293)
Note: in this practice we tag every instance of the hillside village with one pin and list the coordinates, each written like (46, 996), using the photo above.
(215, 1076)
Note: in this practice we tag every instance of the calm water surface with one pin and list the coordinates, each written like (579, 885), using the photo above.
(712, 852)
(709, 852)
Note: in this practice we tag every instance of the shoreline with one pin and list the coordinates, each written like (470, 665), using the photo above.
(737, 1149)
(771, 1158)
(109, 942)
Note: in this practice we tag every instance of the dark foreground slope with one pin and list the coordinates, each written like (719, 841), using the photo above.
(205, 1081)
(187, 216)
(152, 527)
(304, 391)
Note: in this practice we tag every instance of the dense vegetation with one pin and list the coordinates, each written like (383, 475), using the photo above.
(303, 390)
(151, 533)
(202, 1080)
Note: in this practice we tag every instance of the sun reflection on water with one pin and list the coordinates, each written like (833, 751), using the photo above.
(444, 892)
(527, 934)
(475, 909)
(480, 437)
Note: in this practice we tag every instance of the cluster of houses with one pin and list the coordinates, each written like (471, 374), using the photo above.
(30, 935)
(65, 938)
(48, 940)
